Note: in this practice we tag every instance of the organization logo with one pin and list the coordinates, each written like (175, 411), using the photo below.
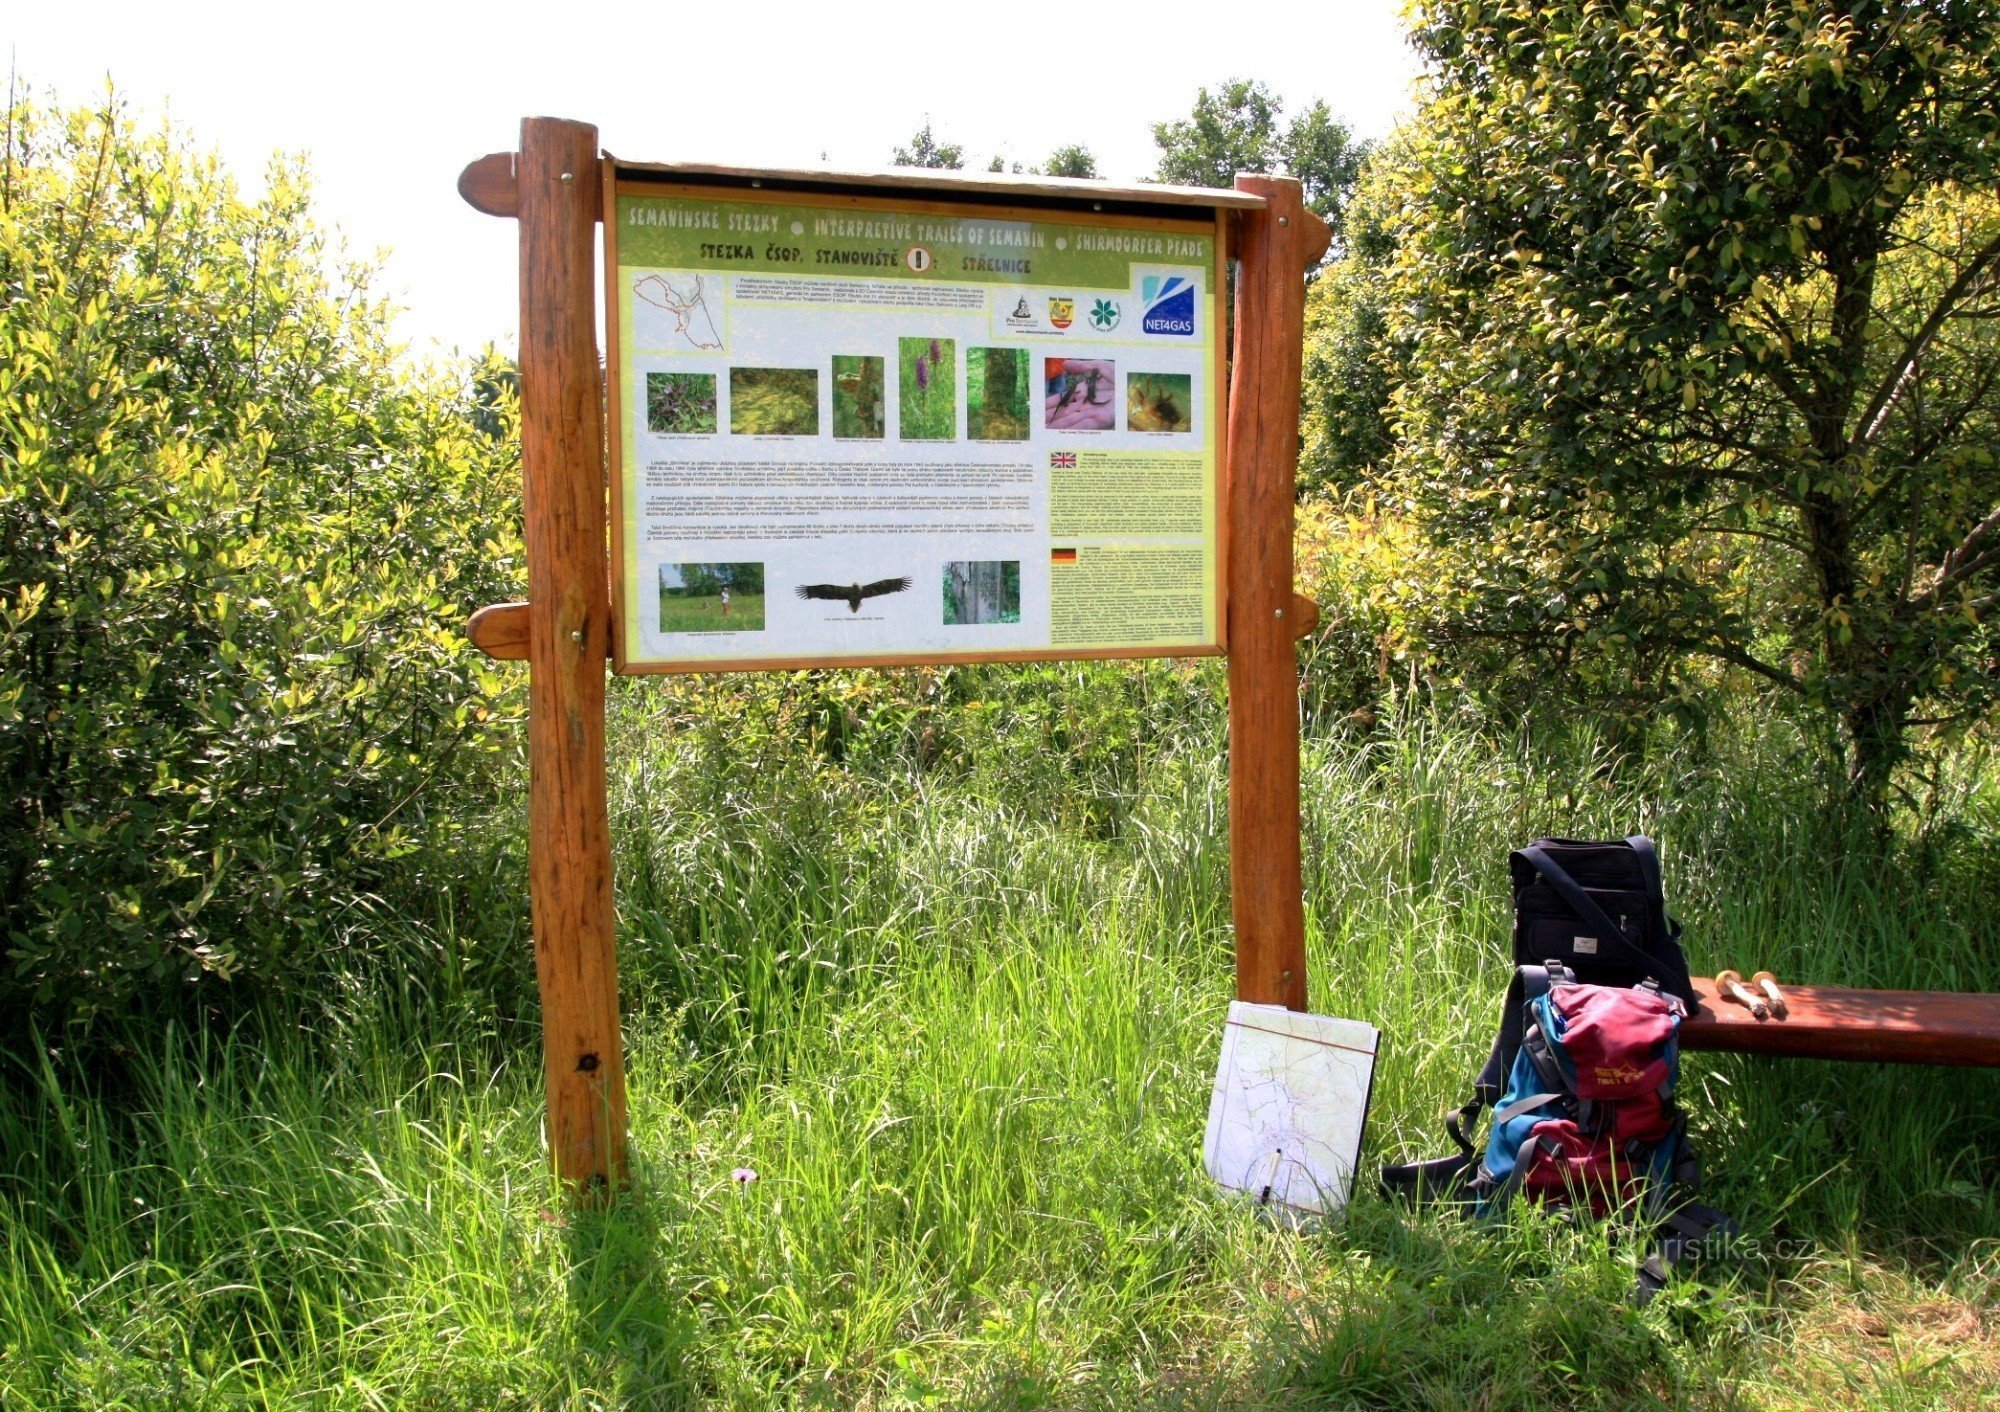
(1169, 301)
(1062, 311)
(1062, 460)
(1022, 318)
(1104, 315)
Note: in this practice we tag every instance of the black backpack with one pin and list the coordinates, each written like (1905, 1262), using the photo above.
(1589, 912)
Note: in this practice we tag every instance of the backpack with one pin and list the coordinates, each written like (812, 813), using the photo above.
(1587, 1117)
(1582, 1074)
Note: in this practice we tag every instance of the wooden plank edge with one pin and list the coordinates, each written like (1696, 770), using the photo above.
(488, 185)
(1835, 1022)
(500, 630)
(1305, 616)
(959, 183)
(1317, 239)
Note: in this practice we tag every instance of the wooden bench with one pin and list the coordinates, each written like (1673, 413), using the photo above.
(1834, 1022)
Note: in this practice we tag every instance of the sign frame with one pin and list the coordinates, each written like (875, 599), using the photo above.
(621, 178)
(554, 187)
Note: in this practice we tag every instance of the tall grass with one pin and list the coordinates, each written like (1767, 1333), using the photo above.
(949, 982)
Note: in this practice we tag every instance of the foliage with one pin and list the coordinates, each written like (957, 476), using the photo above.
(707, 580)
(238, 722)
(1351, 366)
(1236, 129)
(955, 1004)
(926, 151)
(1701, 307)
(1071, 160)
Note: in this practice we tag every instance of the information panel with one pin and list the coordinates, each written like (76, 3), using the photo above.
(856, 430)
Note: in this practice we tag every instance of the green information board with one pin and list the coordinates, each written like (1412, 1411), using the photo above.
(853, 429)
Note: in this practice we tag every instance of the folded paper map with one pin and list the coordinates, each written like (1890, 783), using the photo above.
(1290, 1105)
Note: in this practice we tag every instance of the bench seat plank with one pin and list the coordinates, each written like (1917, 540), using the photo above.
(1834, 1022)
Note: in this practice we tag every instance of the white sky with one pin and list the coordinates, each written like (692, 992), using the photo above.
(389, 101)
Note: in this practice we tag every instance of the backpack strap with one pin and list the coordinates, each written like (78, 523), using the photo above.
(1682, 1232)
(1449, 1176)
(1649, 869)
(1528, 983)
(1649, 865)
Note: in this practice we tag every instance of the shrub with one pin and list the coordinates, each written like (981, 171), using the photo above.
(238, 537)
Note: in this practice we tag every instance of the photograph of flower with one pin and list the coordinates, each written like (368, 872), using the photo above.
(680, 404)
(927, 389)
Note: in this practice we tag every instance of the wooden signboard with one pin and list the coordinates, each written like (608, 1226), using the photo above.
(888, 418)
(855, 428)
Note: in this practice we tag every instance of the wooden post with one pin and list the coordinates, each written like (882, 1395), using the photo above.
(569, 626)
(1274, 248)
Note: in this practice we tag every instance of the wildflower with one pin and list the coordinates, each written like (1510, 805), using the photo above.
(743, 1176)
(923, 373)
(937, 354)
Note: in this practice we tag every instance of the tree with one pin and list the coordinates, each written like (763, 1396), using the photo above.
(1703, 312)
(1237, 129)
(1352, 367)
(240, 728)
(926, 151)
(1072, 160)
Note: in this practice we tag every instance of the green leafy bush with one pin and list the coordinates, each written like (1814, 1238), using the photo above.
(238, 538)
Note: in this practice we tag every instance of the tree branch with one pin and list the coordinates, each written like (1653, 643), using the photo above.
(1967, 558)
(1873, 415)
(1736, 656)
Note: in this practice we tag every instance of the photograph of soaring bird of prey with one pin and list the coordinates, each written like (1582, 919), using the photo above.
(852, 593)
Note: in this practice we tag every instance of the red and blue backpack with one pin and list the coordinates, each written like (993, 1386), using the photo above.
(1583, 1074)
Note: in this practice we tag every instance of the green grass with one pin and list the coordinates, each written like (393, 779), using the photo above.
(945, 963)
(680, 613)
(774, 401)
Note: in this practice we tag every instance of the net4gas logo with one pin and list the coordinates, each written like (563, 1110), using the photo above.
(1169, 305)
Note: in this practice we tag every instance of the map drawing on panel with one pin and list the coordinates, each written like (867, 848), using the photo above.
(1290, 1103)
(677, 309)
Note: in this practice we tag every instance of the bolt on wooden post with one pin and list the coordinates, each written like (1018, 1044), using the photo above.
(554, 193)
(1275, 246)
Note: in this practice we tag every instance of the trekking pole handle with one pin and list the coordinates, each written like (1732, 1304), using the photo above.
(1768, 983)
(1731, 985)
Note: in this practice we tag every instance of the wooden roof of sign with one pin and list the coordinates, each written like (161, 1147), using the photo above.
(935, 184)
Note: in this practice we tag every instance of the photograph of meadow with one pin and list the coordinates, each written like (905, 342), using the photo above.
(1159, 402)
(996, 394)
(1081, 394)
(711, 598)
(774, 401)
(927, 388)
(680, 404)
(857, 397)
